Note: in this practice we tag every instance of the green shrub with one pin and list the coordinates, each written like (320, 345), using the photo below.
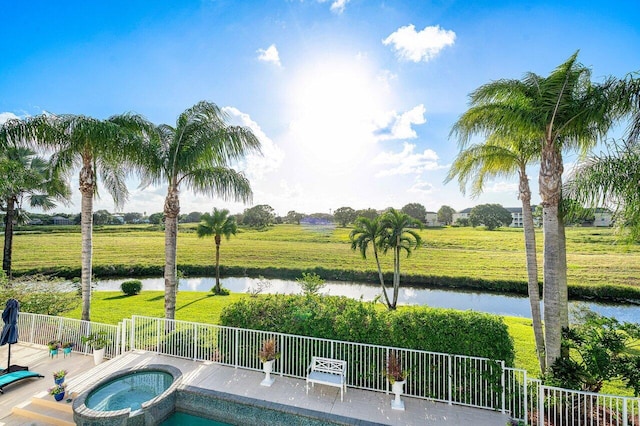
(39, 294)
(131, 287)
(341, 318)
(222, 292)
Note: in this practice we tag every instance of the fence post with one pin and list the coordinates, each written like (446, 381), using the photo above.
(235, 349)
(33, 327)
(195, 342)
(540, 405)
(624, 412)
(504, 389)
(450, 380)
(132, 334)
(526, 397)
(59, 333)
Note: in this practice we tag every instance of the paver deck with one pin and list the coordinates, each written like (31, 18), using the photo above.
(358, 404)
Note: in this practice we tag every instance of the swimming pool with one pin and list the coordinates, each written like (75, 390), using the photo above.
(135, 396)
(129, 391)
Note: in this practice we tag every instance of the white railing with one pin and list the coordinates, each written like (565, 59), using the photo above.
(559, 406)
(453, 379)
(41, 329)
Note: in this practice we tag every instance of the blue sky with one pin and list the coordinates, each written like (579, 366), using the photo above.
(353, 99)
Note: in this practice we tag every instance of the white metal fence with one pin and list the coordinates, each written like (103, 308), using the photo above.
(454, 379)
(41, 329)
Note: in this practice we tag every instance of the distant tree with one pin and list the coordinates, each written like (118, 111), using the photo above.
(462, 221)
(294, 217)
(132, 217)
(156, 218)
(344, 216)
(445, 215)
(193, 217)
(416, 211)
(490, 215)
(324, 217)
(368, 213)
(26, 177)
(259, 216)
(217, 224)
(102, 217)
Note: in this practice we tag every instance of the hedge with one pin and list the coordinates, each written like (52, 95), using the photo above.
(341, 318)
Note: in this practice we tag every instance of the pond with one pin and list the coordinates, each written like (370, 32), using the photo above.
(462, 300)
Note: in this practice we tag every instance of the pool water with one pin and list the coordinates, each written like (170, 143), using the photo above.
(181, 419)
(129, 391)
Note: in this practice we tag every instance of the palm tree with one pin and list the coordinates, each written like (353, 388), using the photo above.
(369, 232)
(196, 153)
(611, 179)
(100, 148)
(500, 158)
(398, 236)
(26, 176)
(562, 111)
(217, 224)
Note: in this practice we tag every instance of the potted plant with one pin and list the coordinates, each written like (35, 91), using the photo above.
(98, 341)
(57, 392)
(396, 376)
(53, 346)
(66, 348)
(58, 376)
(268, 354)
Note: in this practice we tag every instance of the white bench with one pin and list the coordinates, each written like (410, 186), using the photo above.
(327, 371)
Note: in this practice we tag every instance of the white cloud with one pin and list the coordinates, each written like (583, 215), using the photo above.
(421, 187)
(270, 55)
(255, 165)
(499, 187)
(337, 6)
(6, 116)
(422, 45)
(407, 162)
(395, 126)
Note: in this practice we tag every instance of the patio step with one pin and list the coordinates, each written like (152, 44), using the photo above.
(47, 411)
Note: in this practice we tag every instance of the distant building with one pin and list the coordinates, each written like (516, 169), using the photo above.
(462, 214)
(603, 217)
(59, 220)
(516, 216)
(431, 219)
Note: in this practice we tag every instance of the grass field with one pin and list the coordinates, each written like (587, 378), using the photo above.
(593, 256)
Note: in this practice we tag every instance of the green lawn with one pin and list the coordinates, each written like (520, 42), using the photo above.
(593, 257)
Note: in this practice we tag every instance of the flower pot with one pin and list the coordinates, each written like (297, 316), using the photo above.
(267, 367)
(66, 351)
(397, 388)
(53, 352)
(59, 396)
(59, 381)
(98, 356)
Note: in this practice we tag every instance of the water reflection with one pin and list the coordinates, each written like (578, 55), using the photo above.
(461, 300)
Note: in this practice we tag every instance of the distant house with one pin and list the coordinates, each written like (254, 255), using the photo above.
(462, 214)
(35, 222)
(59, 220)
(431, 219)
(603, 217)
(516, 216)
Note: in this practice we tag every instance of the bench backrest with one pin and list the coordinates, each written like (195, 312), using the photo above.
(329, 365)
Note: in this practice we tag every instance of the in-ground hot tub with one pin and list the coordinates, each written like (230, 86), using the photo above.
(142, 396)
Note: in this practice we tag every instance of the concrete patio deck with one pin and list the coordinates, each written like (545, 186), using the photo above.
(358, 404)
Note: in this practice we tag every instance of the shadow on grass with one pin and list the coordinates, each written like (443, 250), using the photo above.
(153, 299)
(194, 301)
(118, 297)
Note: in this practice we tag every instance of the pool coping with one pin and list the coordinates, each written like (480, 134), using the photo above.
(185, 391)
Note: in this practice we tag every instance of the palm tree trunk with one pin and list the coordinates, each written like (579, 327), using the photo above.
(217, 289)
(87, 189)
(396, 274)
(381, 276)
(8, 235)
(550, 181)
(171, 212)
(562, 281)
(532, 266)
